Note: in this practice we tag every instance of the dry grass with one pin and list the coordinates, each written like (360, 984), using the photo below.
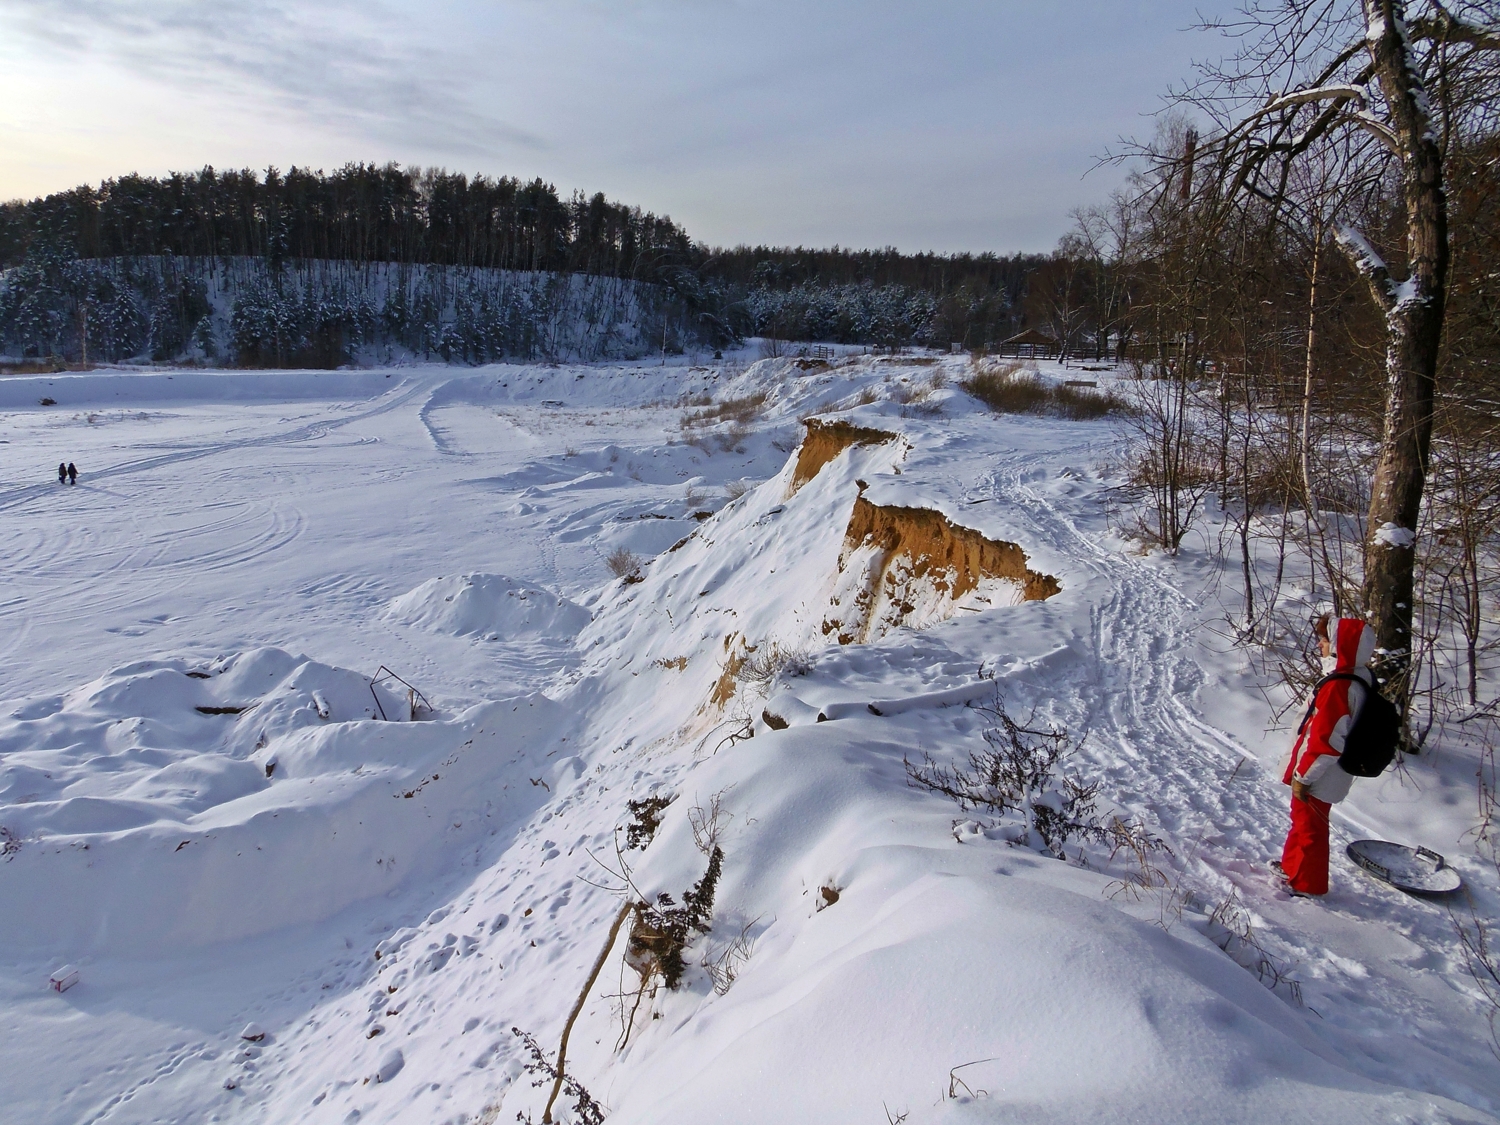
(726, 423)
(623, 563)
(49, 366)
(724, 968)
(770, 661)
(1011, 390)
(741, 410)
(732, 440)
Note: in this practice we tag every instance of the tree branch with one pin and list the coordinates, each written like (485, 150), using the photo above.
(1447, 27)
(1369, 265)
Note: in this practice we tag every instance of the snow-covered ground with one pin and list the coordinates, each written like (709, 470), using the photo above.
(211, 813)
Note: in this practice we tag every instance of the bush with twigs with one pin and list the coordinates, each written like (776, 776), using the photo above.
(1018, 774)
(772, 661)
(624, 563)
(586, 1108)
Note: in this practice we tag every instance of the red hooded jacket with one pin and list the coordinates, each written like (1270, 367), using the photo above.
(1315, 754)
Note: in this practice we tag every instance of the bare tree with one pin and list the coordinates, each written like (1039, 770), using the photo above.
(1370, 75)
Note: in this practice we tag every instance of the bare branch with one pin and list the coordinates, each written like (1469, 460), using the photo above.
(1447, 28)
(1369, 264)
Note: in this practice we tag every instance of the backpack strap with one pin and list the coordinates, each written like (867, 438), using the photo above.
(1317, 690)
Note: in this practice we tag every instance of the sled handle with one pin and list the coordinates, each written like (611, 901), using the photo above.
(1437, 859)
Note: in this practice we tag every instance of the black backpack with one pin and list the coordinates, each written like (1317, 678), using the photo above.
(1373, 737)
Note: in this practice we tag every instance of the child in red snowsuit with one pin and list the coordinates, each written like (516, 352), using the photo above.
(1312, 769)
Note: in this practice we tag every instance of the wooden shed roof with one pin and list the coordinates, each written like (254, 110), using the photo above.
(1032, 336)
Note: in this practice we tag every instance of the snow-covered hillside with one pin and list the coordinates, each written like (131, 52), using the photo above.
(603, 585)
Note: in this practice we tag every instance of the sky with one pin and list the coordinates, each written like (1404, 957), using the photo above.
(947, 125)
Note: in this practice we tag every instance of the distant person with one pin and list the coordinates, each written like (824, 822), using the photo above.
(62, 472)
(72, 473)
(1312, 768)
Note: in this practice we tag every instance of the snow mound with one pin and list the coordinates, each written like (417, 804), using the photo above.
(165, 740)
(181, 803)
(1014, 965)
(491, 606)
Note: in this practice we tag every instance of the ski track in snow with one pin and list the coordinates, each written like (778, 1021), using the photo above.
(475, 476)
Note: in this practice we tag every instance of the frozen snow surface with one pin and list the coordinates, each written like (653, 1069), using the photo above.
(298, 892)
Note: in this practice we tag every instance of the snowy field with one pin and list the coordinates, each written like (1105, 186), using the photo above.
(208, 810)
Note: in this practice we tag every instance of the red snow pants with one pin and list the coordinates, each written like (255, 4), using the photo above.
(1304, 858)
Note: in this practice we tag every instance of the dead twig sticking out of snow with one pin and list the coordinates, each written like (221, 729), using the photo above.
(724, 969)
(954, 1081)
(1482, 960)
(707, 823)
(413, 695)
(1476, 936)
(739, 727)
(1019, 770)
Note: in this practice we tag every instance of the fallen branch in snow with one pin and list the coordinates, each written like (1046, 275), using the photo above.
(562, 1049)
(740, 727)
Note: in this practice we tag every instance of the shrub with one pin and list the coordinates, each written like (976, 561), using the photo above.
(1010, 390)
(623, 563)
(661, 930)
(771, 661)
(586, 1107)
(1018, 771)
(645, 820)
(742, 410)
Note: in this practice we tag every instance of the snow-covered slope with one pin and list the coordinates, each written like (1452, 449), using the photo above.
(390, 899)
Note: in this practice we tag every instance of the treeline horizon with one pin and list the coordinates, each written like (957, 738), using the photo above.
(390, 213)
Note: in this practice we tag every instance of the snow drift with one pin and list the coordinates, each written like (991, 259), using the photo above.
(491, 606)
(183, 805)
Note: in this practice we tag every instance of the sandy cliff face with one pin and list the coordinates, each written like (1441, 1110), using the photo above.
(825, 441)
(913, 567)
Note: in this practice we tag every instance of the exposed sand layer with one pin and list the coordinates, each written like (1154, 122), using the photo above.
(909, 558)
(825, 441)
